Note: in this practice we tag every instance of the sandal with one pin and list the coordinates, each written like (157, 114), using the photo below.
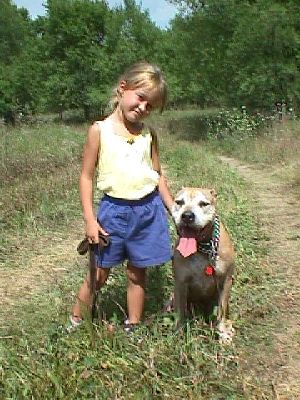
(73, 324)
(130, 328)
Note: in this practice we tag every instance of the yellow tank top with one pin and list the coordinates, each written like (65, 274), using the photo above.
(125, 170)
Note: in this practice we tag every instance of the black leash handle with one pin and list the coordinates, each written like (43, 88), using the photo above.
(83, 246)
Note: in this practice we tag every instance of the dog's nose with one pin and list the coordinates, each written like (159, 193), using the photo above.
(188, 216)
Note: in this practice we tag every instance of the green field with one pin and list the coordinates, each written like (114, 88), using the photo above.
(40, 227)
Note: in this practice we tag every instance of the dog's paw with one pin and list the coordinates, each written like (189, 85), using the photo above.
(225, 332)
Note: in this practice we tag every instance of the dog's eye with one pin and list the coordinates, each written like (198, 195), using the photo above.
(179, 202)
(203, 204)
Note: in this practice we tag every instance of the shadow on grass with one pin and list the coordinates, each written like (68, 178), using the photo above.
(191, 128)
(111, 300)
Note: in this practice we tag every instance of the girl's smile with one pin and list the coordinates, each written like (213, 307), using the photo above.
(136, 104)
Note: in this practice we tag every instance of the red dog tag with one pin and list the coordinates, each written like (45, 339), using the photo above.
(209, 270)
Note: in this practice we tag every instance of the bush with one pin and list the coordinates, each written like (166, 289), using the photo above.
(214, 124)
(234, 123)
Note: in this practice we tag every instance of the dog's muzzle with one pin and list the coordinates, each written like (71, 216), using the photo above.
(188, 217)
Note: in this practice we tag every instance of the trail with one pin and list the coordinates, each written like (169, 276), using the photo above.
(36, 265)
(279, 213)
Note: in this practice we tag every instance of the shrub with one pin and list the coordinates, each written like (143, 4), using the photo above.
(233, 123)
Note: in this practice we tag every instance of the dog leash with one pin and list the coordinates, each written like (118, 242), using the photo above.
(84, 247)
(211, 247)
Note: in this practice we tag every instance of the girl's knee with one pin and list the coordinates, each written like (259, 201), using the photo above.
(136, 275)
(102, 275)
(100, 278)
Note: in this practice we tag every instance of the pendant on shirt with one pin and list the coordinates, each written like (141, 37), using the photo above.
(130, 141)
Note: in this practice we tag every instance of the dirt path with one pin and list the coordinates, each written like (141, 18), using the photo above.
(279, 212)
(35, 265)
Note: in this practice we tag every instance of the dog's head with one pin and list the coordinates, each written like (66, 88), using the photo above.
(194, 208)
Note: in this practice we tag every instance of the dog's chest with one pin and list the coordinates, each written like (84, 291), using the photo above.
(196, 269)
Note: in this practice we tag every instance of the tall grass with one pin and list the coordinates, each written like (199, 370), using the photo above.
(256, 139)
(39, 168)
(275, 148)
(39, 361)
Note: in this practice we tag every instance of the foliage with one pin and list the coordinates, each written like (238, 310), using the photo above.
(276, 147)
(15, 67)
(12, 39)
(239, 53)
(216, 53)
(265, 48)
(237, 124)
(34, 160)
(74, 35)
(39, 360)
(218, 124)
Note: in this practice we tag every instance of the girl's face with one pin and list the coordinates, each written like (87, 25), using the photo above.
(137, 104)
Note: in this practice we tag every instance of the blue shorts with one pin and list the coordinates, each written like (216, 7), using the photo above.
(138, 231)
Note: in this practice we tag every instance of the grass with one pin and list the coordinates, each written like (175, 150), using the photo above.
(275, 149)
(39, 167)
(277, 145)
(39, 361)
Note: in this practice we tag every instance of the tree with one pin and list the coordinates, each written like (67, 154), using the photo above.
(75, 35)
(264, 57)
(18, 66)
(13, 31)
(131, 36)
(201, 38)
(238, 52)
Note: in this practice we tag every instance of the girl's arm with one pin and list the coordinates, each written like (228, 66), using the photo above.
(163, 186)
(89, 163)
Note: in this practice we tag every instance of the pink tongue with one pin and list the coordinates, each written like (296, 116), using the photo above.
(187, 246)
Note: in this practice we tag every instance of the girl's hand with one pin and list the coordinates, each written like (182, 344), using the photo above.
(92, 230)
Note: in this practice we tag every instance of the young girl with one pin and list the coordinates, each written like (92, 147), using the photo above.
(125, 153)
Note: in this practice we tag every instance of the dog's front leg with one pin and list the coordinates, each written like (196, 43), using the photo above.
(180, 297)
(223, 306)
(225, 328)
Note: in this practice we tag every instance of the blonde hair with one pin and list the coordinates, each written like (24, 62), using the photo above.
(142, 74)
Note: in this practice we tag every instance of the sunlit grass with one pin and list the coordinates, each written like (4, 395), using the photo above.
(39, 361)
(276, 149)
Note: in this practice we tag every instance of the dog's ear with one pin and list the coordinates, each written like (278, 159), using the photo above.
(180, 191)
(213, 193)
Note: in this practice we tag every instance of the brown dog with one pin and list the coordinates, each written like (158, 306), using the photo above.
(203, 260)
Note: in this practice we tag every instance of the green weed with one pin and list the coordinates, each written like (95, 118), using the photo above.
(39, 361)
(275, 149)
(39, 168)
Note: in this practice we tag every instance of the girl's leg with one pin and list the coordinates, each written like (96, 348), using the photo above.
(135, 293)
(84, 298)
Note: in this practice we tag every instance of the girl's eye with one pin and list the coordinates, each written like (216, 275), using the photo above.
(179, 202)
(203, 204)
(143, 98)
